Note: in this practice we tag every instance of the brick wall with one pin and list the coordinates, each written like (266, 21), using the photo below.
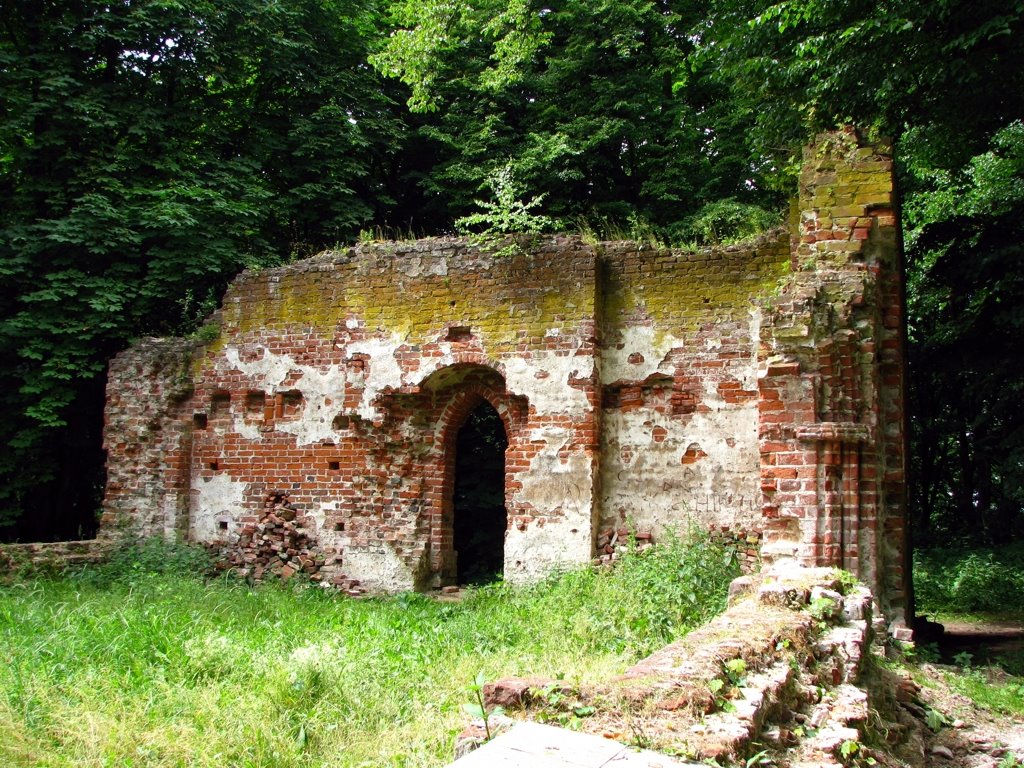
(678, 363)
(755, 386)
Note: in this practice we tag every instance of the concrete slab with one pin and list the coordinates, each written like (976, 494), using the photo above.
(532, 745)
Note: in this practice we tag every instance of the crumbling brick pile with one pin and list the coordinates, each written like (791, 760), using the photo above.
(279, 546)
(746, 543)
(612, 543)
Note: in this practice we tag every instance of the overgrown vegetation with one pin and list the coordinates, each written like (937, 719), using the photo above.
(992, 686)
(972, 585)
(143, 662)
(968, 580)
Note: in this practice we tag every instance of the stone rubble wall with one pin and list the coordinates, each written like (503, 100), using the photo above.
(756, 387)
(785, 669)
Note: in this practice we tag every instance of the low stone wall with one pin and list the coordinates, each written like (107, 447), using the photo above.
(783, 667)
(52, 556)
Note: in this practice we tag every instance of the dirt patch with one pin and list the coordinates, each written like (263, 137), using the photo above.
(986, 641)
(976, 738)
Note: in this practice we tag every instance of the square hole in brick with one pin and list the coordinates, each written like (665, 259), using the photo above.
(291, 404)
(459, 333)
(339, 526)
(214, 466)
(220, 404)
(199, 420)
(254, 402)
(223, 525)
(334, 465)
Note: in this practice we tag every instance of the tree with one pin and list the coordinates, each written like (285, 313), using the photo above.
(148, 151)
(586, 102)
(946, 79)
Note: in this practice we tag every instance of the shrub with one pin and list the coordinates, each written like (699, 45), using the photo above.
(970, 580)
(134, 560)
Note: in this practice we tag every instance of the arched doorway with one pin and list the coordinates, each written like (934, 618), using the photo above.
(478, 496)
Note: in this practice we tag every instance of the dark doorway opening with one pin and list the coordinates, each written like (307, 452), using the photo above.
(479, 496)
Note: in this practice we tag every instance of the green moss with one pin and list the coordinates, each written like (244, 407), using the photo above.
(681, 299)
(500, 303)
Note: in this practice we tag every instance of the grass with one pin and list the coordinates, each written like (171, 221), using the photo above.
(990, 687)
(974, 585)
(144, 663)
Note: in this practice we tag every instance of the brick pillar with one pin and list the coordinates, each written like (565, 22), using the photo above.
(831, 413)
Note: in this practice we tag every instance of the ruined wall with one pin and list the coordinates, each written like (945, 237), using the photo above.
(339, 384)
(679, 362)
(755, 387)
(832, 432)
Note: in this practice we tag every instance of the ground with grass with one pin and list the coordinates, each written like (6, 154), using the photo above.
(146, 662)
(973, 671)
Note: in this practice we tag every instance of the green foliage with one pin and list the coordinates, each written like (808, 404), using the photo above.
(990, 688)
(799, 66)
(162, 667)
(149, 151)
(963, 580)
(476, 707)
(505, 213)
(149, 558)
(725, 221)
(581, 97)
(652, 593)
(965, 290)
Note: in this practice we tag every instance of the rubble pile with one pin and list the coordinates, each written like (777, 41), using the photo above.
(278, 547)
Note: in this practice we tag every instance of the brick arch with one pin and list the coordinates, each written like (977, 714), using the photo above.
(462, 399)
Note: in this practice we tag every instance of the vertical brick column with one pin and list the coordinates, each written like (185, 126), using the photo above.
(831, 418)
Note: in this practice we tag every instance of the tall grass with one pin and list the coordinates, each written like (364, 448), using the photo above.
(146, 664)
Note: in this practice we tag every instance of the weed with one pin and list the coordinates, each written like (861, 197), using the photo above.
(935, 719)
(852, 753)
(561, 705)
(207, 333)
(736, 672)
(476, 707)
(759, 758)
(963, 659)
(823, 609)
(505, 213)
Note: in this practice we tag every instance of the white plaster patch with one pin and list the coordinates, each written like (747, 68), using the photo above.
(538, 551)
(384, 370)
(551, 394)
(325, 538)
(217, 497)
(562, 488)
(315, 423)
(615, 365)
(379, 571)
(657, 490)
(417, 266)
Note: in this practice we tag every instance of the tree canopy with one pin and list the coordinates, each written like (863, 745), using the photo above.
(150, 149)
